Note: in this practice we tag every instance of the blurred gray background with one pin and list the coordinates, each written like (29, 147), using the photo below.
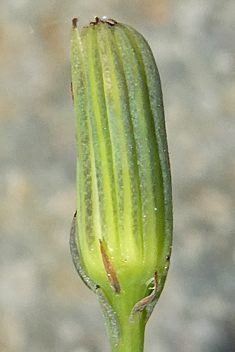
(44, 307)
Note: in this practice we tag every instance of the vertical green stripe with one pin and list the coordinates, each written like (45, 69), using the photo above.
(124, 159)
(100, 137)
(84, 165)
(150, 172)
(153, 84)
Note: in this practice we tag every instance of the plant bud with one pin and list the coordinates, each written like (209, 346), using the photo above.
(122, 233)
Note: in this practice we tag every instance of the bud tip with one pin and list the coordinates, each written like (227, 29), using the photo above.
(74, 22)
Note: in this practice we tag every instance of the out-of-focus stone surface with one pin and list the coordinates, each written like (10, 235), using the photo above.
(44, 307)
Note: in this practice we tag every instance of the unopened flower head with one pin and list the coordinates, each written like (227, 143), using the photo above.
(124, 210)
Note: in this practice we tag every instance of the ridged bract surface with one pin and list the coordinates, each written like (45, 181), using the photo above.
(123, 174)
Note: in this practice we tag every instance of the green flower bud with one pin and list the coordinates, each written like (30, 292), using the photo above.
(122, 233)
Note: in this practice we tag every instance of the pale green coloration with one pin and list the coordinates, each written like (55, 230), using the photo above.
(124, 206)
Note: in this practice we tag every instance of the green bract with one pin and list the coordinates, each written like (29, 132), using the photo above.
(122, 233)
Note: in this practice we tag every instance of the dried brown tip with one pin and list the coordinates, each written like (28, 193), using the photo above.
(74, 22)
(96, 21)
(72, 95)
(139, 307)
(109, 21)
(112, 276)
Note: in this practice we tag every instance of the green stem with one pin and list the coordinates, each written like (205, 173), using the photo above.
(132, 328)
(132, 337)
